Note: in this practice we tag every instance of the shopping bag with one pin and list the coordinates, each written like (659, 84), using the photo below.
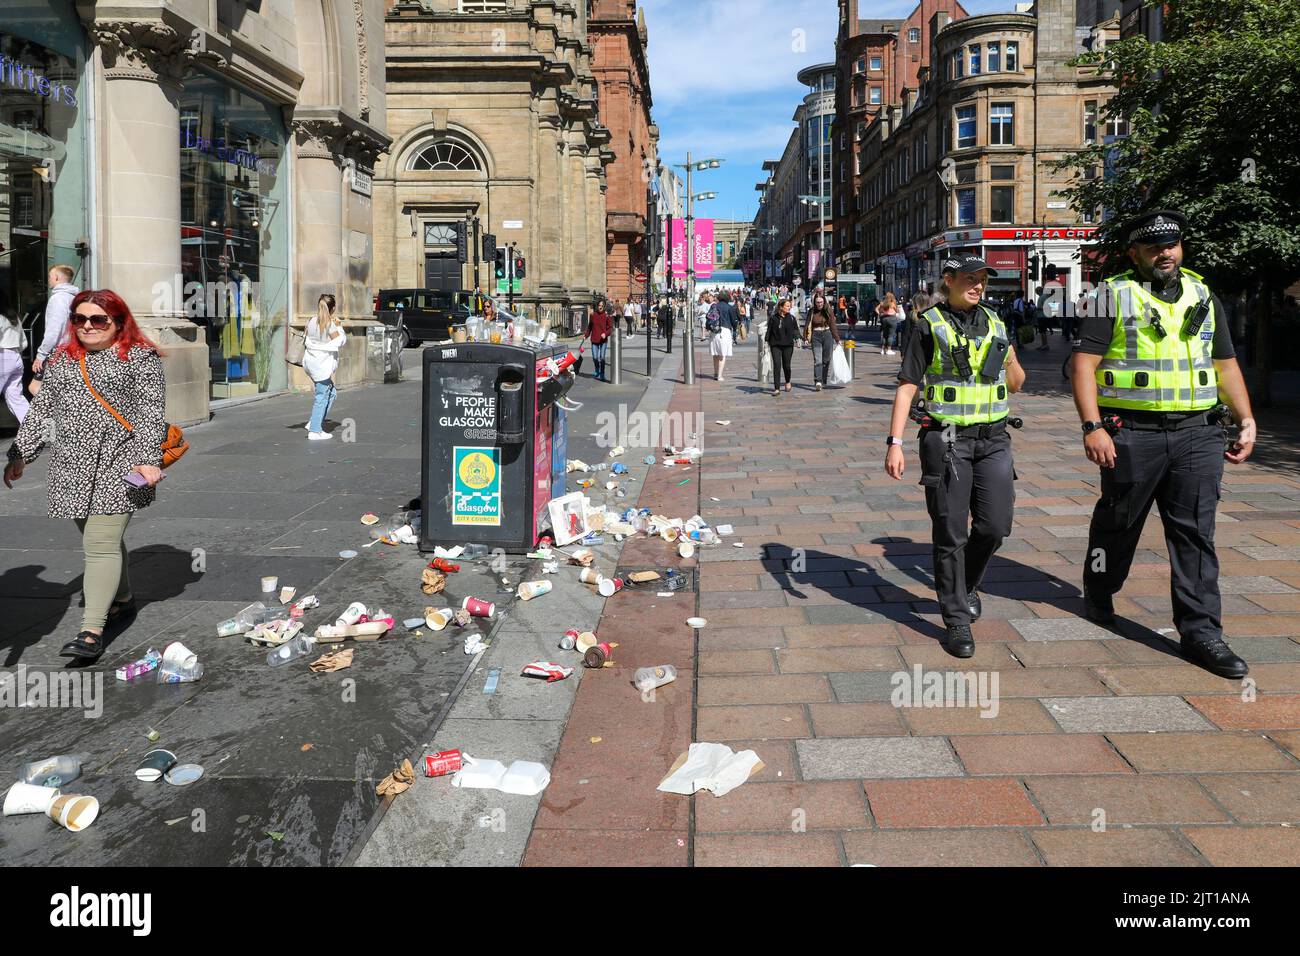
(839, 371)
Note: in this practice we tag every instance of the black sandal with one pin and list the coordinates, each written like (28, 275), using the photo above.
(122, 610)
(84, 649)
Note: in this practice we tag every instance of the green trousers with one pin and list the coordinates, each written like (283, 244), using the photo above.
(105, 580)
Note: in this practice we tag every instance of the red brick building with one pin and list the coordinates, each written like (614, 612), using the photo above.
(617, 32)
(877, 61)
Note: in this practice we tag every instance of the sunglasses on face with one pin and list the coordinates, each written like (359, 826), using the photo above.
(97, 322)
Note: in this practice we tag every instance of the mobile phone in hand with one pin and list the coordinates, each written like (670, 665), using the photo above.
(137, 479)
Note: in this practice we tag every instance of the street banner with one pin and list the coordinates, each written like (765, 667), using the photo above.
(703, 249)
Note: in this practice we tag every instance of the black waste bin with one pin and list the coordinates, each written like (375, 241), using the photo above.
(494, 444)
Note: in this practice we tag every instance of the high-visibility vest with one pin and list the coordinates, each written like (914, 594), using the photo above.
(976, 400)
(1144, 371)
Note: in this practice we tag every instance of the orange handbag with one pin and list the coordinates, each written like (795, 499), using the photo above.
(173, 446)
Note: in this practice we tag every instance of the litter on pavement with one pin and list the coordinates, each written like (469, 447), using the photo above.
(523, 777)
(713, 767)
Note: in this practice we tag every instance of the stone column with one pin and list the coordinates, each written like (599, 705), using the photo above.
(596, 269)
(576, 243)
(548, 230)
(138, 170)
(318, 207)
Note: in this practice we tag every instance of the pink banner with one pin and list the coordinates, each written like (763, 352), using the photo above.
(703, 249)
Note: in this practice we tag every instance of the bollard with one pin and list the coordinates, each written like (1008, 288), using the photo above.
(852, 356)
(616, 356)
(688, 353)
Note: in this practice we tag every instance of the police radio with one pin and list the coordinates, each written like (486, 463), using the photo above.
(1195, 318)
(961, 360)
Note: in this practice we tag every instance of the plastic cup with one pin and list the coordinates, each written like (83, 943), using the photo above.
(686, 549)
(178, 655)
(74, 812)
(29, 798)
(154, 765)
(269, 584)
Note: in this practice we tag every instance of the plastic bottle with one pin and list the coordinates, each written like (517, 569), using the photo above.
(144, 665)
(300, 645)
(169, 673)
(51, 772)
(648, 678)
(474, 551)
(602, 466)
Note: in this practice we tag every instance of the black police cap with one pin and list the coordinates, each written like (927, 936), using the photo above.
(1158, 226)
(967, 263)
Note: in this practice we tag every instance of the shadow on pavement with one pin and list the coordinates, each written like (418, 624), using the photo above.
(1005, 578)
(158, 573)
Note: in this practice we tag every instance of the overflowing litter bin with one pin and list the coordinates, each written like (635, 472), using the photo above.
(494, 443)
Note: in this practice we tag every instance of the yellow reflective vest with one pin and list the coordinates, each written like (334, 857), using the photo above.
(974, 400)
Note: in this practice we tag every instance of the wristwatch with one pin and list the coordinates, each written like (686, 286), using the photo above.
(891, 440)
(1090, 427)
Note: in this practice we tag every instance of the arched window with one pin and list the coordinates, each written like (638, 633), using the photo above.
(444, 155)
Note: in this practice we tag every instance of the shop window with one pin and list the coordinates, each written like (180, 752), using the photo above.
(966, 207)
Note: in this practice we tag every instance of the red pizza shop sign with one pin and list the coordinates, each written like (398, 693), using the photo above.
(1036, 234)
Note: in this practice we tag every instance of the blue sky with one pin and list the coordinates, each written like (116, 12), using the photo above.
(723, 81)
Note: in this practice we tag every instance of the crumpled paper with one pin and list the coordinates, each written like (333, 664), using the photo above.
(474, 643)
(399, 781)
(333, 661)
(712, 767)
(432, 581)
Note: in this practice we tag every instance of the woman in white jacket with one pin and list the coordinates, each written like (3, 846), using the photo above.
(325, 336)
(12, 342)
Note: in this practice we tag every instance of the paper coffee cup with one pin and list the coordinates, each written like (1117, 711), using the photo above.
(269, 584)
(608, 587)
(585, 640)
(154, 765)
(531, 589)
(686, 549)
(670, 534)
(74, 812)
(440, 618)
(589, 576)
(29, 798)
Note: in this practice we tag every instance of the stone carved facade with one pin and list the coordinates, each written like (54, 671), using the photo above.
(494, 115)
(307, 62)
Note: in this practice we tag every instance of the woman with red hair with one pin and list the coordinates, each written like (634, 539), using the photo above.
(100, 472)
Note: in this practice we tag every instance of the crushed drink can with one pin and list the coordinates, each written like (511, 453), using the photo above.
(570, 639)
(548, 669)
(597, 655)
(442, 763)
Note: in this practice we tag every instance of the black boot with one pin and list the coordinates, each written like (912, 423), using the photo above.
(1216, 657)
(961, 643)
(975, 605)
(1099, 608)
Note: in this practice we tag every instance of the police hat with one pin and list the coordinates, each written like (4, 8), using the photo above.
(1158, 226)
(966, 262)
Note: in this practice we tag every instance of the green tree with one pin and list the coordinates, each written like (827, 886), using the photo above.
(1213, 113)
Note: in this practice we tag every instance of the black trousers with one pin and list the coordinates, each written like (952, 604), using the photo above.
(781, 356)
(970, 494)
(1180, 471)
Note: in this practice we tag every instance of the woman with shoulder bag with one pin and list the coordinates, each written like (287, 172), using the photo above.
(823, 335)
(103, 400)
(782, 334)
(325, 336)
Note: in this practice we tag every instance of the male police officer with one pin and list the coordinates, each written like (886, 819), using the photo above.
(1154, 361)
(962, 353)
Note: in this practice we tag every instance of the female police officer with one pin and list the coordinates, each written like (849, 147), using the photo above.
(962, 354)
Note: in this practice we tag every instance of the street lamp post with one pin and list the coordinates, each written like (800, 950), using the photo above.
(688, 360)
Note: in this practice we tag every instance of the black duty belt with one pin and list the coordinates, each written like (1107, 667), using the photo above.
(987, 430)
(1167, 421)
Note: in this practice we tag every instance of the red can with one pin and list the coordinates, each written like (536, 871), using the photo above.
(441, 763)
(442, 564)
(478, 607)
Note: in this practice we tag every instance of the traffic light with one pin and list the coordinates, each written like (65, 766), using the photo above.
(462, 241)
(499, 258)
(519, 267)
(1050, 272)
(1033, 267)
(489, 247)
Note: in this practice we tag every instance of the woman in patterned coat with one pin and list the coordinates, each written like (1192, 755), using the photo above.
(92, 453)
